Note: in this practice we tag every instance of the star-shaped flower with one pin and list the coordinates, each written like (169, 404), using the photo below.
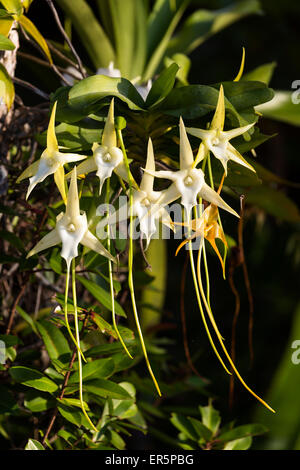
(207, 227)
(107, 157)
(188, 181)
(216, 140)
(52, 161)
(143, 201)
(71, 229)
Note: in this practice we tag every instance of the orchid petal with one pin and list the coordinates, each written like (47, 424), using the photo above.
(186, 154)
(72, 206)
(47, 166)
(148, 179)
(30, 171)
(212, 196)
(51, 239)
(121, 171)
(59, 178)
(64, 158)
(219, 116)
(109, 138)
(90, 241)
(107, 159)
(228, 135)
(238, 158)
(202, 134)
(52, 145)
(167, 174)
(85, 167)
(201, 154)
(71, 230)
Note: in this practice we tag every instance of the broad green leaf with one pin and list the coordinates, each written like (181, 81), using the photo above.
(101, 295)
(210, 418)
(162, 86)
(32, 378)
(184, 64)
(5, 25)
(283, 427)
(106, 389)
(239, 444)
(184, 425)
(92, 89)
(106, 349)
(32, 444)
(73, 414)
(99, 368)
(243, 95)
(123, 21)
(158, 22)
(156, 57)
(76, 137)
(154, 293)
(13, 6)
(90, 31)
(247, 430)
(7, 90)
(274, 202)
(27, 318)
(73, 402)
(55, 341)
(263, 73)
(34, 32)
(37, 402)
(140, 45)
(284, 107)
(202, 24)
(5, 43)
(202, 431)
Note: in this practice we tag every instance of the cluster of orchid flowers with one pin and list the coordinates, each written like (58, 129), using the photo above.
(149, 206)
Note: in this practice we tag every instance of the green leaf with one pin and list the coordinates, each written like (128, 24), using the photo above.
(32, 378)
(157, 55)
(75, 137)
(34, 32)
(184, 64)
(73, 414)
(105, 349)
(202, 24)
(106, 389)
(90, 31)
(184, 425)
(55, 342)
(7, 90)
(274, 202)
(202, 431)
(32, 444)
(6, 44)
(247, 430)
(243, 95)
(263, 73)
(282, 108)
(93, 89)
(162, 86)
(101, 295)
(99, 368)
(37, 402)
(13, 6)
(239, 444)
(210, 418)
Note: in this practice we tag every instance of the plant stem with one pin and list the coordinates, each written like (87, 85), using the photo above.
(130, 266)
(111, 282)
(78, 347)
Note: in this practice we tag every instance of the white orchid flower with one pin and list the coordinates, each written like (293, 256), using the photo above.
(216, 140)
(71, 229)
(144, 200)
(188, 181)
(107, 157)
(52, 161)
